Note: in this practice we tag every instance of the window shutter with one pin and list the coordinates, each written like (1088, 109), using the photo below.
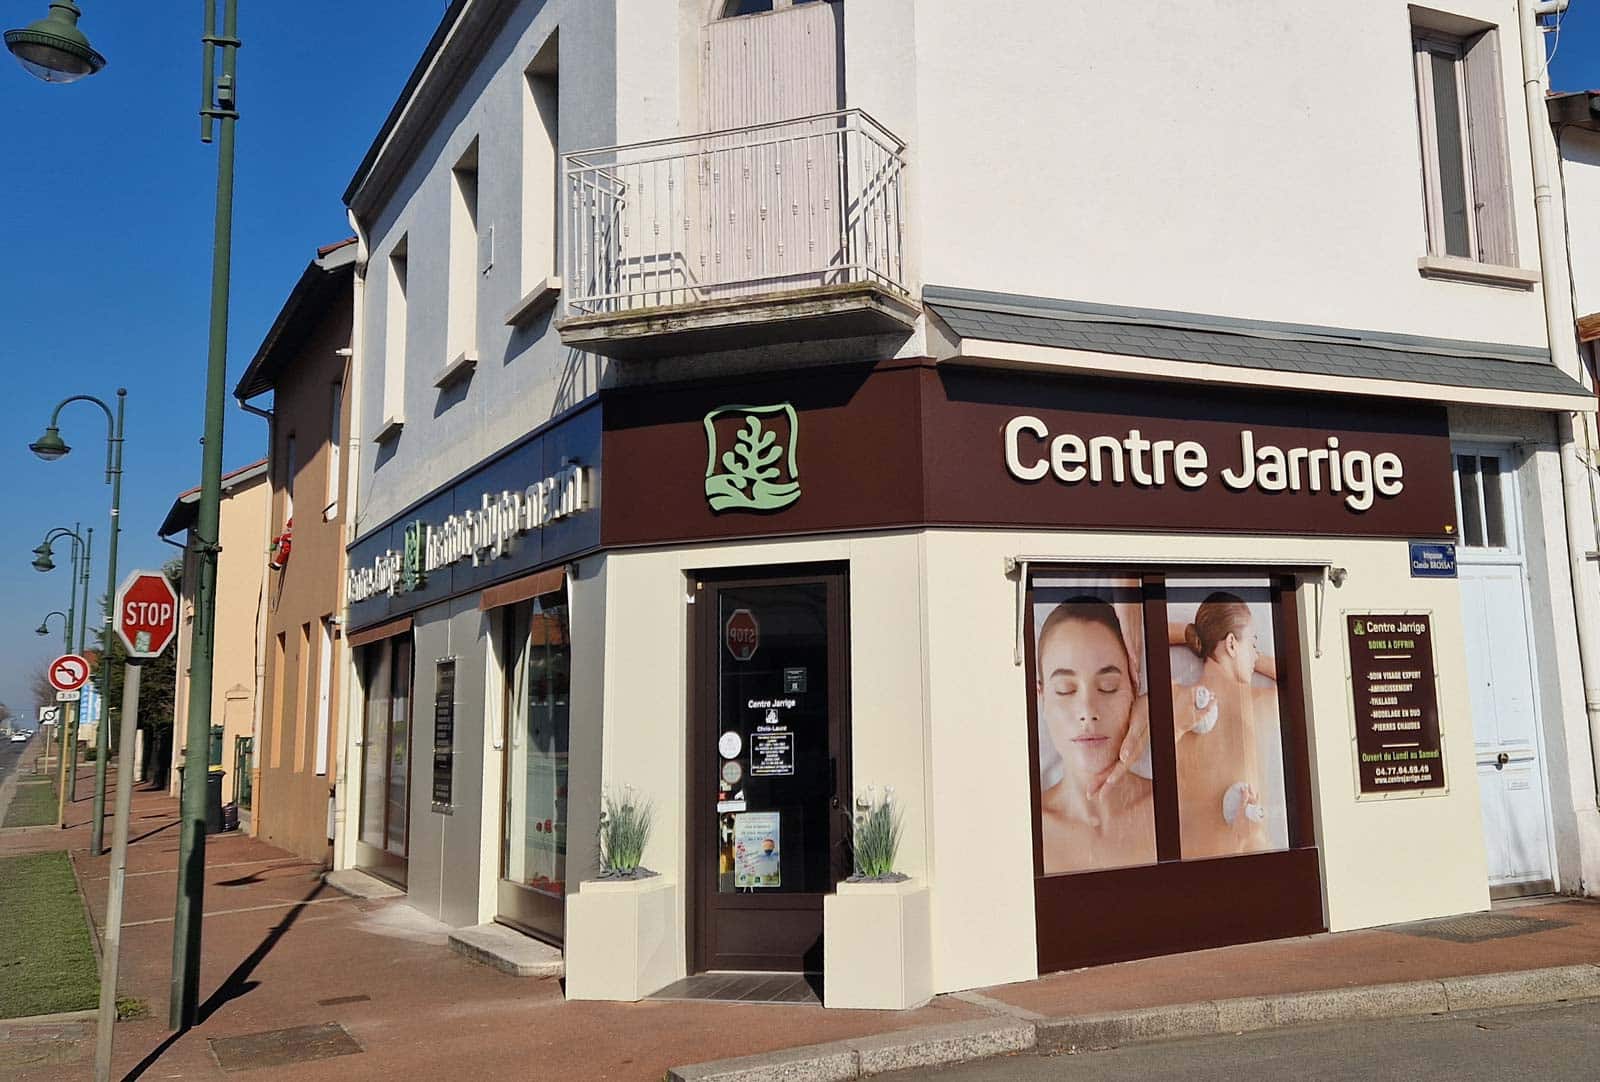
(1486, 135)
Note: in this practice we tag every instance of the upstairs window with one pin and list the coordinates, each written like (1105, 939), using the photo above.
(1466, 178)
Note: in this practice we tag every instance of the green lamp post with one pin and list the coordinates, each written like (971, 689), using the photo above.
(51, 447)
(54, 49)
(43, 560)
(57, 51)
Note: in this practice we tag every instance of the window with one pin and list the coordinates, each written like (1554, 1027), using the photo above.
(462, 305)
(303, 693)
(290, 465)
(1481, 500)
(534, 846)
(1466, 178)
(386, 744)
(330, 510)
(755, 7)
(280, 714)
(324, 691)
(541, 168)
(1182, 670)
(394, 342)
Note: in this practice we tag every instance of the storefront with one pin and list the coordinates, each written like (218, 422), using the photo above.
(1147, 667)
(461, 610)
(983, 589)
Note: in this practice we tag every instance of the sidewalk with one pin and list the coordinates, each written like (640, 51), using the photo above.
(282, 950)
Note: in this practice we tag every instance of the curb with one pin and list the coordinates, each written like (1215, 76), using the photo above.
(845, 1061)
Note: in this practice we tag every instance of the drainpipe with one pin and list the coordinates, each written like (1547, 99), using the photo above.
(1583, 538)
(350, 704)
(259, 688)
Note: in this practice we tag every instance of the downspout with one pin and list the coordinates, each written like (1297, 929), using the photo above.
(350, 702)
(258, 691)
(1583, 538)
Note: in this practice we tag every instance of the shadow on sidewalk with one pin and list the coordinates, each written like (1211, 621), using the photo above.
(153, 833)
(238, 983)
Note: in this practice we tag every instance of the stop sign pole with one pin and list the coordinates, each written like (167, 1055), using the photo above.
(145, 617)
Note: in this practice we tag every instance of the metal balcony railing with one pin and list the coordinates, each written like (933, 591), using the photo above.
(795, 205)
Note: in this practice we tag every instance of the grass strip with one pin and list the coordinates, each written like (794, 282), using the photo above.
(46, 960)
(33, 805)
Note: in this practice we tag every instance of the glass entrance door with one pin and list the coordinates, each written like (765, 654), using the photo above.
(770, 748)
(533, 855)
(386, 759)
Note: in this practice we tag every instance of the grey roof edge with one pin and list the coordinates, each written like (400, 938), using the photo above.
(328, 264)
(1088, 311)
(186, 507)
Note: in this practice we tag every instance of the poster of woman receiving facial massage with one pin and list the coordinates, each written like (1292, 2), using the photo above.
(1097, 807)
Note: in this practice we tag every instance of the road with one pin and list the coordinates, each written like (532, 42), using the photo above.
(10, 755)
(1552, 1044)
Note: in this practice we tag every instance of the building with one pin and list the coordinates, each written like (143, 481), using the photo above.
(241, 574)
(303, 362)
(901, 400)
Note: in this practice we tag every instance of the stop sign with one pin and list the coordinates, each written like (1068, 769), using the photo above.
(146, 613)
(742, 634)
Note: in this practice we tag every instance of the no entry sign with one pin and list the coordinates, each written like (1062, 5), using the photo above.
(69, 672)
(146, 613)
(742, 634)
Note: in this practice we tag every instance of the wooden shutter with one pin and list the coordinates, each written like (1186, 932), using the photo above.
(1486, 136)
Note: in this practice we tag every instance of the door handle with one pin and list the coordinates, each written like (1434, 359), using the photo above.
(833, 766)
(1501, 760)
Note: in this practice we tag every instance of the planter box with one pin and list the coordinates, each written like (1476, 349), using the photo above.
(622, 938)
(877, 946)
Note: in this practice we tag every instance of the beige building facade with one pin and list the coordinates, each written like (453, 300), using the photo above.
(241, 568)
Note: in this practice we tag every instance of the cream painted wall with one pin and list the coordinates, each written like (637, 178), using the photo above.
(1580, 178)
(1433, 861)
(646, 683)
(1219, 156)
(939, 710)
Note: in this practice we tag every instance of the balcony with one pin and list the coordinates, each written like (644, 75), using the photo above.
(752, 236)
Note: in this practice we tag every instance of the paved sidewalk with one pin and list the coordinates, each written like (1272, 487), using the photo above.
(283, 950)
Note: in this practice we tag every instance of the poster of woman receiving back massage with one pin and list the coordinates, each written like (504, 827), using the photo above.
(1225, 717)
(1097, 808)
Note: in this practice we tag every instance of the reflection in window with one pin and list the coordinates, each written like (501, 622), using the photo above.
(536, 815)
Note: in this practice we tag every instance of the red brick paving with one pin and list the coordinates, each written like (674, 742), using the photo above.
(277, 942)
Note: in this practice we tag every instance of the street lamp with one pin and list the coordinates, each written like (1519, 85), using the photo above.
(218, 107)
(54, 49)
(82, 553)
(52, 447)
(66, 628)
(82, 557)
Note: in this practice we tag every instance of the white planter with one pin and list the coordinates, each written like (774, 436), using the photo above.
(622, 938)
(877, 946)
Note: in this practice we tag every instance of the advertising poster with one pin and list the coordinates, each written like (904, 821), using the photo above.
(1396, 702)
(1225, 717)
(1089, 684)
(756, 858)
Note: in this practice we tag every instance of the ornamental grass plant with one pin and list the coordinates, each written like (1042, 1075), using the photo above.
(625, 823)
(875, 837)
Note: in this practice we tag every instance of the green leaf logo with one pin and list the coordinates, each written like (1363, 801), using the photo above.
(1360, 628)
(759, 471)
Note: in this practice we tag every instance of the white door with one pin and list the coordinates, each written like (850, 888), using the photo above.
(1505, 701)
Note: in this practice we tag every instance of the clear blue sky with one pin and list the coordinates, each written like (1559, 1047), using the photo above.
(104, 281)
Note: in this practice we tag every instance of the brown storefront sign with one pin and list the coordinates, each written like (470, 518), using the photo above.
(910, 443)
(1396, 702)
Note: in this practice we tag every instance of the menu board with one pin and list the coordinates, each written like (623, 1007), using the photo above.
(1396, 701)
(444, 735)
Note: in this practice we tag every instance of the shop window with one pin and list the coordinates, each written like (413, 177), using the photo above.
(1163, 733)
(535, 841)
(386, 745)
